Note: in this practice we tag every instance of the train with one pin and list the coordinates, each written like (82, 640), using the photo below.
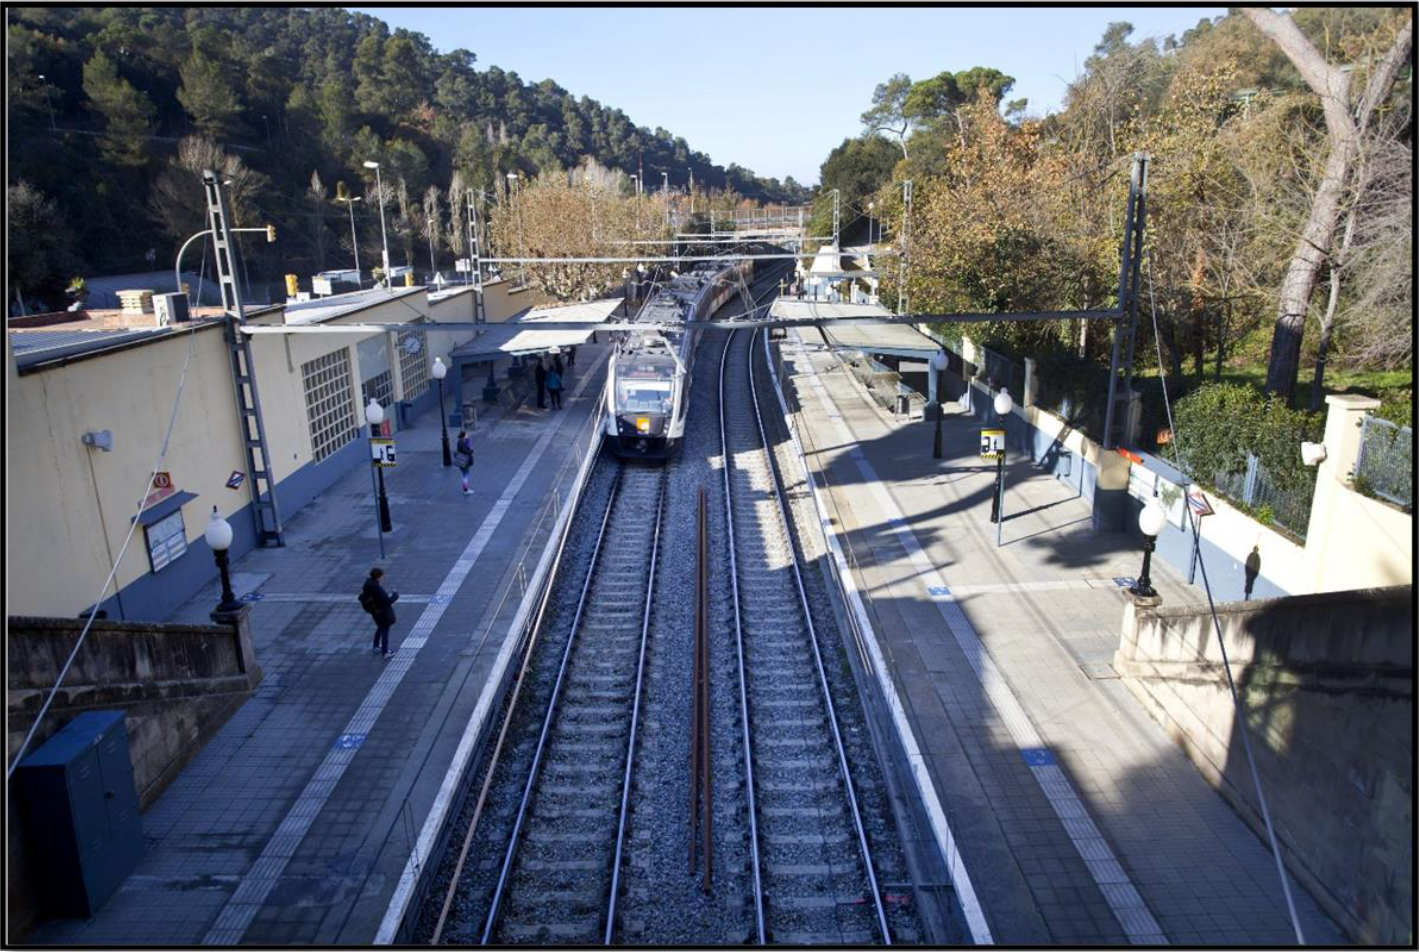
(647, 395)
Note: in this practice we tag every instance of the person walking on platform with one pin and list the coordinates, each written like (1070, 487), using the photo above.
(463, 458)
(539, 374)
(571, 357)
(554, 387)
(380, 604)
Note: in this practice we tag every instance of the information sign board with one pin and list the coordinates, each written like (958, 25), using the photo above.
(382, 451)
(992, 444)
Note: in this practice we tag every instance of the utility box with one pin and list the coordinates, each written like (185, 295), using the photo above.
(81, 814)
(171, 308)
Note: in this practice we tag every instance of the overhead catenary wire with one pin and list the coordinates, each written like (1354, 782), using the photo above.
(113, 571)
(1194, 522)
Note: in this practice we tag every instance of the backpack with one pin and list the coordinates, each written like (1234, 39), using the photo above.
(367, 600)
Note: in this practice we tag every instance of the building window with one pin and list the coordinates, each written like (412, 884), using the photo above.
(328, 403)
(380, 388)
(414, 363)
(167, 539)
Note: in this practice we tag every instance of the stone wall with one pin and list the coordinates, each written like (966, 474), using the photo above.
(178, 684)
(1327, 684)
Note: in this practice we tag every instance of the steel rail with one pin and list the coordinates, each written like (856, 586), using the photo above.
(511, 852)
(635, 718)
(739, 650)
(818, 659)
(533, 627)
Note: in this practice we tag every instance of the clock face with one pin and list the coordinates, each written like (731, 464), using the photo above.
(412, 345)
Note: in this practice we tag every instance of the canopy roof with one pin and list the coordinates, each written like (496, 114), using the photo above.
(522, 336)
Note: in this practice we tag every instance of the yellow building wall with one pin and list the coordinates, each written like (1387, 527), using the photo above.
(65, 519)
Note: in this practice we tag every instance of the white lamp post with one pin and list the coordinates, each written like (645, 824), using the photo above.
(1003, 405)
(374, 415)
(383, 235)
(1151, 522)
(354, 240)
(219, 539)
(440, 371)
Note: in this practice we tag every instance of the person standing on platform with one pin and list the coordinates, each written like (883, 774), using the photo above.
(554, 387)
(380, 605)
(463, 458)
(557, 361)
(539, 374)
(571, 357)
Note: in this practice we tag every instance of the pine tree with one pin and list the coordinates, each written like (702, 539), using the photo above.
(128, 115)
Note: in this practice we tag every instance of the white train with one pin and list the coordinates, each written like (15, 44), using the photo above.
(648, 393)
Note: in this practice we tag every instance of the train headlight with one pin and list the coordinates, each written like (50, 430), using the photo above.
(643, 424)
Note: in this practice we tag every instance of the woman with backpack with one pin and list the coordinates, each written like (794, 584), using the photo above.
(463, 459)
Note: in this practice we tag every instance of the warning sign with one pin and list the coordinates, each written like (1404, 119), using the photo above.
(992, 444)
(382, 451)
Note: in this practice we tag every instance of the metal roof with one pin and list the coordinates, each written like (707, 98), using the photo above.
(40, 346)
(339, 305)
(103, 290)
(516, 337)
(901, 340)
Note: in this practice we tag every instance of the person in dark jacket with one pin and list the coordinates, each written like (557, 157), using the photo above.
(571, 357)
(557, 361)
(554, 387)
(463, 459)
(380, 605)
(539, 374)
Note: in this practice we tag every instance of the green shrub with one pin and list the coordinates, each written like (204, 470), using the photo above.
(1219, 423)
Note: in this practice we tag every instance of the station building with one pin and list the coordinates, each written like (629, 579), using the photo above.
(88, 412)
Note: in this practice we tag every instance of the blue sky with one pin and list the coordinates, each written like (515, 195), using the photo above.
(775, 89)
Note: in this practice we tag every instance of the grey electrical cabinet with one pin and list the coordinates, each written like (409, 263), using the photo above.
(81, 814)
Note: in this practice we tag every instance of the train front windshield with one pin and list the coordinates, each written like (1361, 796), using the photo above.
(643, 396)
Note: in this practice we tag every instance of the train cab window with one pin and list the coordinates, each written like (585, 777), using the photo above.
(643, 396)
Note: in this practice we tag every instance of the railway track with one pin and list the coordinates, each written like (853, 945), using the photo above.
(557, 806)
(811, 864)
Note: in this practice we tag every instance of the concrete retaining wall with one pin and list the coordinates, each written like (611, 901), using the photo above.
(1327, 684)
(178, 684)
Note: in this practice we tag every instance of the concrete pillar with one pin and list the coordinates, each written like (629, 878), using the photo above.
(1343, 418)
(1110, 509)
(240, 621)
(1032, 383)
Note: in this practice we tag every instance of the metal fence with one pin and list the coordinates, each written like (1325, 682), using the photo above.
(1385, 466)
(999, 371)
(1290, 509)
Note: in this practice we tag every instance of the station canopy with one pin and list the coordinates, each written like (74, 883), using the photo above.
(522, 336)
(898, 340)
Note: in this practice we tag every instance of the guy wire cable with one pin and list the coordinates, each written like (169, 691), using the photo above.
(1194, 521)
(93, 614)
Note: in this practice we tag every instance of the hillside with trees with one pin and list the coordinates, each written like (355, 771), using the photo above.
(114, 112)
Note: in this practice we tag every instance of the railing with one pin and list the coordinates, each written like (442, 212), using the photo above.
(1289, 509)
(999, 371)
(1385, 467)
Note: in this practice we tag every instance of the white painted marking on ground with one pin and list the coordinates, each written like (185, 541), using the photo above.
(1128, 906)
(257, 884)
(921, 775)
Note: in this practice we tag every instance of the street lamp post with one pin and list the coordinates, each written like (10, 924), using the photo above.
(934, 406)
(1003, 405)
(219, 539)
(440, 371)
(870, 207)
(48, 102)
(1151, 522)
(383, 235)
(374, 415)
(354, 239)
(512, 180)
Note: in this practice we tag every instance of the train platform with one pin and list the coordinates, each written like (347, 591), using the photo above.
(1077, 820)
(297, 823)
